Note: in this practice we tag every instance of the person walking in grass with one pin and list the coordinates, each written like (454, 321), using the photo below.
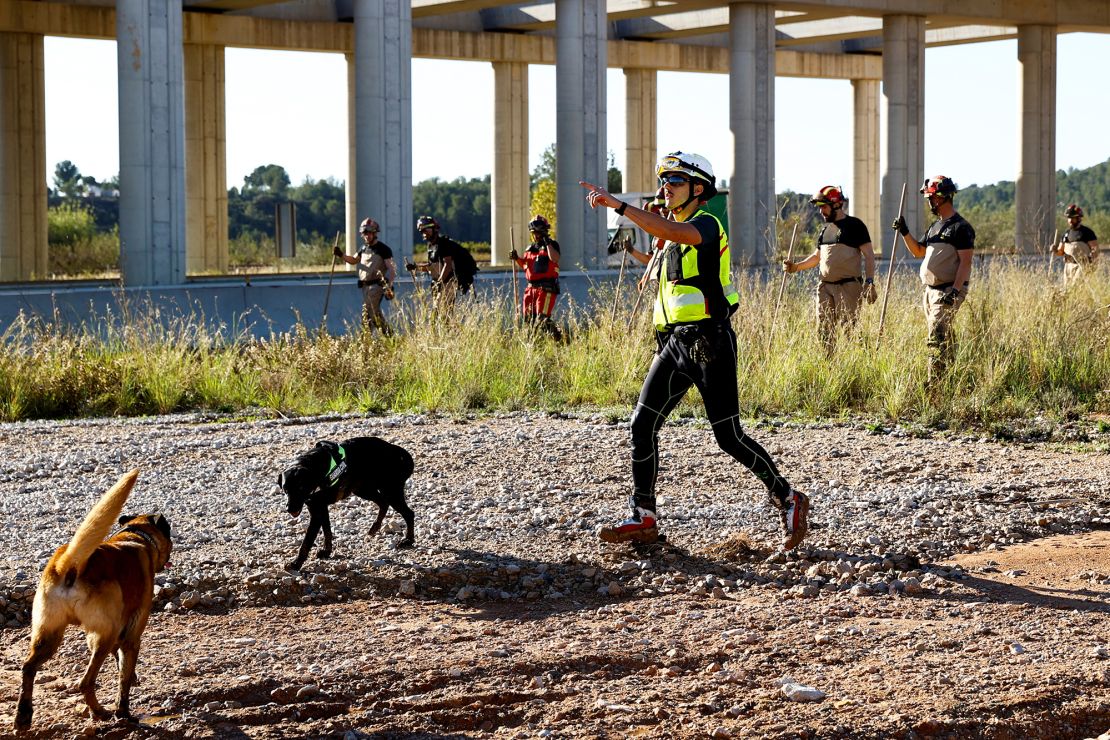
(1078, 246)
(696, 346)
(450, 264)
(541, 270)
(945, 271)
(845, 256)
(376, 272)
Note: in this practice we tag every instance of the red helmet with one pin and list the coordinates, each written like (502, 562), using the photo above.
(830, 195)
(939, 185)
(368, 226)
(1073, 211)
(539, 224)
(425, 222)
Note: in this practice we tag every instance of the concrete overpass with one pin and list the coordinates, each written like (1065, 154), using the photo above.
(173, 211)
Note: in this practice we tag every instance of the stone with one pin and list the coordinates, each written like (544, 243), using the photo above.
(801, 693)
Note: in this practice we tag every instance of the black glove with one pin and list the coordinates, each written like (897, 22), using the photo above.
(513, 255)
(899, 225)
(626, 245)
(950, 296)
(410, 266)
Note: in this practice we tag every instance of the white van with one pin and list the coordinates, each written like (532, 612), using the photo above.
(621, 227)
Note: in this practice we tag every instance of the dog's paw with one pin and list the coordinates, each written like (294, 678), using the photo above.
(23, 718)
(323, 554)
(295, 565)
(405, 544)
(375, 529)
(124, 715)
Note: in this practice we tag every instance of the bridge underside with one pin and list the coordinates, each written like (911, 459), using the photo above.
(174, 203)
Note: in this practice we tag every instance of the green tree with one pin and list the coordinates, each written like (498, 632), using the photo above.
(269, 178)
(543, 202)
(67, 179)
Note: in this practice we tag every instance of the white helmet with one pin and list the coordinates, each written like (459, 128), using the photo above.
(694, 165)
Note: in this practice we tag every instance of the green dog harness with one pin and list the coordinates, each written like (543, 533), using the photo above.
(338, 466)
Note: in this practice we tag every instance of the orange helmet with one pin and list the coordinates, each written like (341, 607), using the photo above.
(939, 185)
(1073, 211)
(830, 195)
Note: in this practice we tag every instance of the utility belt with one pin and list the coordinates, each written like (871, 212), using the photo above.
(375, 281)
(699, 337)
(551, 285)
(941, 286)
(842, 282)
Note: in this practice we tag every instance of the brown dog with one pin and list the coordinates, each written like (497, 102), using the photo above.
(103, 587)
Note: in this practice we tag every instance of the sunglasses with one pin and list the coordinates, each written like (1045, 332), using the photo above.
(673, 180)
(367, 231)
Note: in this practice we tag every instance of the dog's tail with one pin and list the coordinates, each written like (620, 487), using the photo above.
(98, 523)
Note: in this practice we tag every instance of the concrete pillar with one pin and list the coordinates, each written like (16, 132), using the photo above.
(752, 210)
(23, 252)
(580, 63)
(864, 195)
(1036, 177)
(380, 86)
(904, 109)
(640, 132)
(205, 160)
(151, 142)
(510, 181)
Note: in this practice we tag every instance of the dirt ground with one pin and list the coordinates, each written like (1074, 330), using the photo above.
(1017, 648)
(1010, 653)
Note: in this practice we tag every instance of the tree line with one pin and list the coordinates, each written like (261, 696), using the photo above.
(463, 205)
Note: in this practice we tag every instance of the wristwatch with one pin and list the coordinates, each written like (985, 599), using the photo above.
(869, 281)
(621, 208)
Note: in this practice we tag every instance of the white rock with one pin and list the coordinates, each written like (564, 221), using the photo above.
(799, 692)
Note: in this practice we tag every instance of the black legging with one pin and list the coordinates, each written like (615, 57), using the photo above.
(672, 373)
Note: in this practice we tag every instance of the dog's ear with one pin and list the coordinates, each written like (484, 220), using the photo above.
(125, 519)
(281, 482)
(163, 525)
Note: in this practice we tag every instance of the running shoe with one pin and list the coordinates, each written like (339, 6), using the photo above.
(795, 518)
(640, 527)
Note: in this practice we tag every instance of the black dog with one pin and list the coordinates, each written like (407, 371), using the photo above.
(367, 467)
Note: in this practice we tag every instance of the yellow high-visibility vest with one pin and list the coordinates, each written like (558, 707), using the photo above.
(679, 302)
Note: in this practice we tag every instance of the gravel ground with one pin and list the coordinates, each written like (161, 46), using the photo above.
(950, 586)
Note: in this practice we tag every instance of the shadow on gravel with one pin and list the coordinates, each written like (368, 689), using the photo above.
(997, 591)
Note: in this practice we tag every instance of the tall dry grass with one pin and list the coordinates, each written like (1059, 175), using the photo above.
(1025, 349)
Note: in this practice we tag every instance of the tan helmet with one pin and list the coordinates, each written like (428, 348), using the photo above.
(368, 226)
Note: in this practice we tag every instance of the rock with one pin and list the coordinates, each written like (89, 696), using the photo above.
(801, 693)
(407, 588)
(307, 692)
(614, 589)
(721, 732)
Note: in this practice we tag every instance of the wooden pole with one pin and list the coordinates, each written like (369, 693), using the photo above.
(516, 294)
(331, 274)
(617, 288)
(782, 287)
(890, 267)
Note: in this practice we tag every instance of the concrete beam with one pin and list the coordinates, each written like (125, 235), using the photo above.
(641, 110)
(382, 92)
(580, 129)
(511, 190)
(904, 113)
(752, 121)
(1035, 192)
(151, 142)
(205, 160)
(866, 136)
(23, 226)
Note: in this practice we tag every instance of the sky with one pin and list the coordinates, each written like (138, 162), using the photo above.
(290, 109)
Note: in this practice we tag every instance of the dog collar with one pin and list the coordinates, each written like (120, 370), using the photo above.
(145, 535)
(338, 465)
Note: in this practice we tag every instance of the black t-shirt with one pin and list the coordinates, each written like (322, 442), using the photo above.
(955, 231)
(443, 247)
(849, 231)
(1082, 234)
(378, 248)
(708, 280)
(551, 245)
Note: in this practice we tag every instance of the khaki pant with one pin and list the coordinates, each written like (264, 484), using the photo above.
(1075, 268)
(372, 308)
(940, 321)
(837, 305)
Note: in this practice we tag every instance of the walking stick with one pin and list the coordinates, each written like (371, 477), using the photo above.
(516, 294)
(890, 268)
(617, 289)
(1052, 251)
(782, 287)
(331, 274)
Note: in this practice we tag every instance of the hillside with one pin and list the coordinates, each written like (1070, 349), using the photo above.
(1089, 187)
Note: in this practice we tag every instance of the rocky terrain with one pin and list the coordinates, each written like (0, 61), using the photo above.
(951, 586)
